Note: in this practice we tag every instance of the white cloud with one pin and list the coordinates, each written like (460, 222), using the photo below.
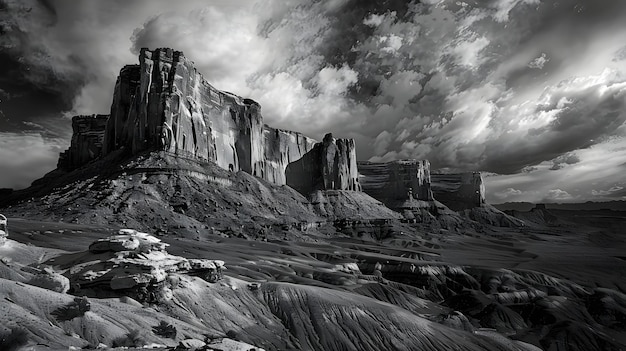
(539, 62)
(508, 193)
(467, 50)
(504, 7)
(609, 191)
(336, 81)
(390, 44)
(373, 20)
(382, 142)
(558, 195)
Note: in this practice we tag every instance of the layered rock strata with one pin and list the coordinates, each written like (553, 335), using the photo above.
(87, 141)
(396, 181)
(329, 165)
(164, 103)
(283, 147)
(459, 191)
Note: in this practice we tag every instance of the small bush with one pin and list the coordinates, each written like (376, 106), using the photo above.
(132, 339)
(165, 330)
(13, 340)
(77, 308)
(231, 334)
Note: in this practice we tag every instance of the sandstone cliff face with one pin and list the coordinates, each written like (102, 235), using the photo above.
(396, 181)
(330, 165)
(87, 141)
(119, 126)
(281, 148)
(459, 191)
(165, 103)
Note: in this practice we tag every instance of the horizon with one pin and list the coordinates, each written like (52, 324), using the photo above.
(531, 93)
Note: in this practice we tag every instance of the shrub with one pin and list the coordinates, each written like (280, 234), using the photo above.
(13, 340)
(165, 330)
(77, 308)
(132, 339)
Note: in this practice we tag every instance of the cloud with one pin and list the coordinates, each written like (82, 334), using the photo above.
(508, 193)
(26, 157)
(557, 195)
(594, 173)
(36, 79)
(539, 62)
(504, 7)
(608, 192)
(373, 20)
(564, 160)
(222, 44)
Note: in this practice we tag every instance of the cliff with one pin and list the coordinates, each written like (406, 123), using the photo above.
(87, 141)
(281, 148)
(396, 181)
(459, 191)
(164, 103)
(330, 165)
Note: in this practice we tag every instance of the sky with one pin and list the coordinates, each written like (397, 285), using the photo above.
(531, 92)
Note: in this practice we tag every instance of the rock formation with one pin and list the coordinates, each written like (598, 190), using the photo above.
(459, 191)
(281, 148)
(87, 141)
(165, 104)
(330, 165)
(396, 181)
(133, 263)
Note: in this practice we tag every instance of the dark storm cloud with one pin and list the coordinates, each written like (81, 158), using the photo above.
(35, 82)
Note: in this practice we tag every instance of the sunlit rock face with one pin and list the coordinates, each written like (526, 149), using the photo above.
(459, 191)
(165, 103)
(330, 165)
(87, 141)
(281, 148)
(396, 181)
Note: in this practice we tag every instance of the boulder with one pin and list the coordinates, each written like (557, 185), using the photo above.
(135, 264)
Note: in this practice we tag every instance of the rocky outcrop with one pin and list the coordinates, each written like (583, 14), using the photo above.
(134, 264)
(459, 191)
(396, 181)
(165, 103)
(330, 165)
(281, 148)
(87, 141)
